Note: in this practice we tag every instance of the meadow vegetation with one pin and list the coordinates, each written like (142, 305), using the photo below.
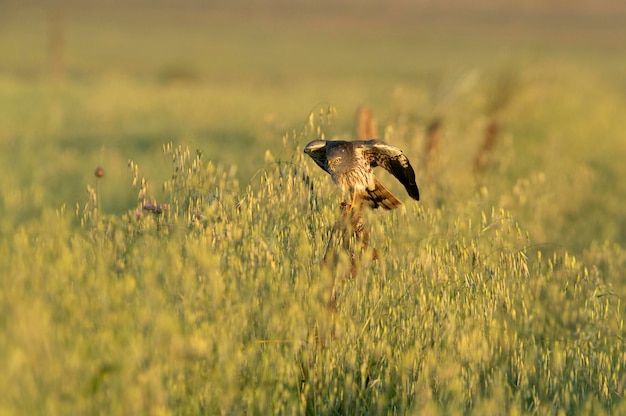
(189, 278)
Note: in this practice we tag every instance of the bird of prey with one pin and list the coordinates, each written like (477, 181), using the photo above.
(351, 163)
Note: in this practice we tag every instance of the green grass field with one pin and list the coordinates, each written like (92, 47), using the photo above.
(498, 293)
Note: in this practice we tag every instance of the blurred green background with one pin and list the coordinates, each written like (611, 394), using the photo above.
(87, 84)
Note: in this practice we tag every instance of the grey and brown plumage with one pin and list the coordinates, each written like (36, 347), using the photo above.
(351, 164)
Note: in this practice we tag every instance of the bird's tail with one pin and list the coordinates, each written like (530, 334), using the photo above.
(380, 197)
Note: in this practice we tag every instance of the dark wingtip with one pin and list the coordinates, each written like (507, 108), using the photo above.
(414, 192)
(409, 180)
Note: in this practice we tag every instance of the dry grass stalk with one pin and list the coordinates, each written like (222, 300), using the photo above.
(350, 234)
(365, 124)
(434, 133)
(481, 161)
(56, 41)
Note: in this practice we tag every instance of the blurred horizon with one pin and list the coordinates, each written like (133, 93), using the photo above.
(512, 29)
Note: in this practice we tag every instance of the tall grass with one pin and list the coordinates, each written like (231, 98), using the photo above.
(218, 302)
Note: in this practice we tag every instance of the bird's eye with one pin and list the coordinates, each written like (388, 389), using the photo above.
(336, 160)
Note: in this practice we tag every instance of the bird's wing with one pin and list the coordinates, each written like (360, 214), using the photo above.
(380, 197)
(379, 153)
(317, 151)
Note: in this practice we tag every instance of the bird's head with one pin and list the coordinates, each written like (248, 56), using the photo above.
(334, 163)
(339, 159)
